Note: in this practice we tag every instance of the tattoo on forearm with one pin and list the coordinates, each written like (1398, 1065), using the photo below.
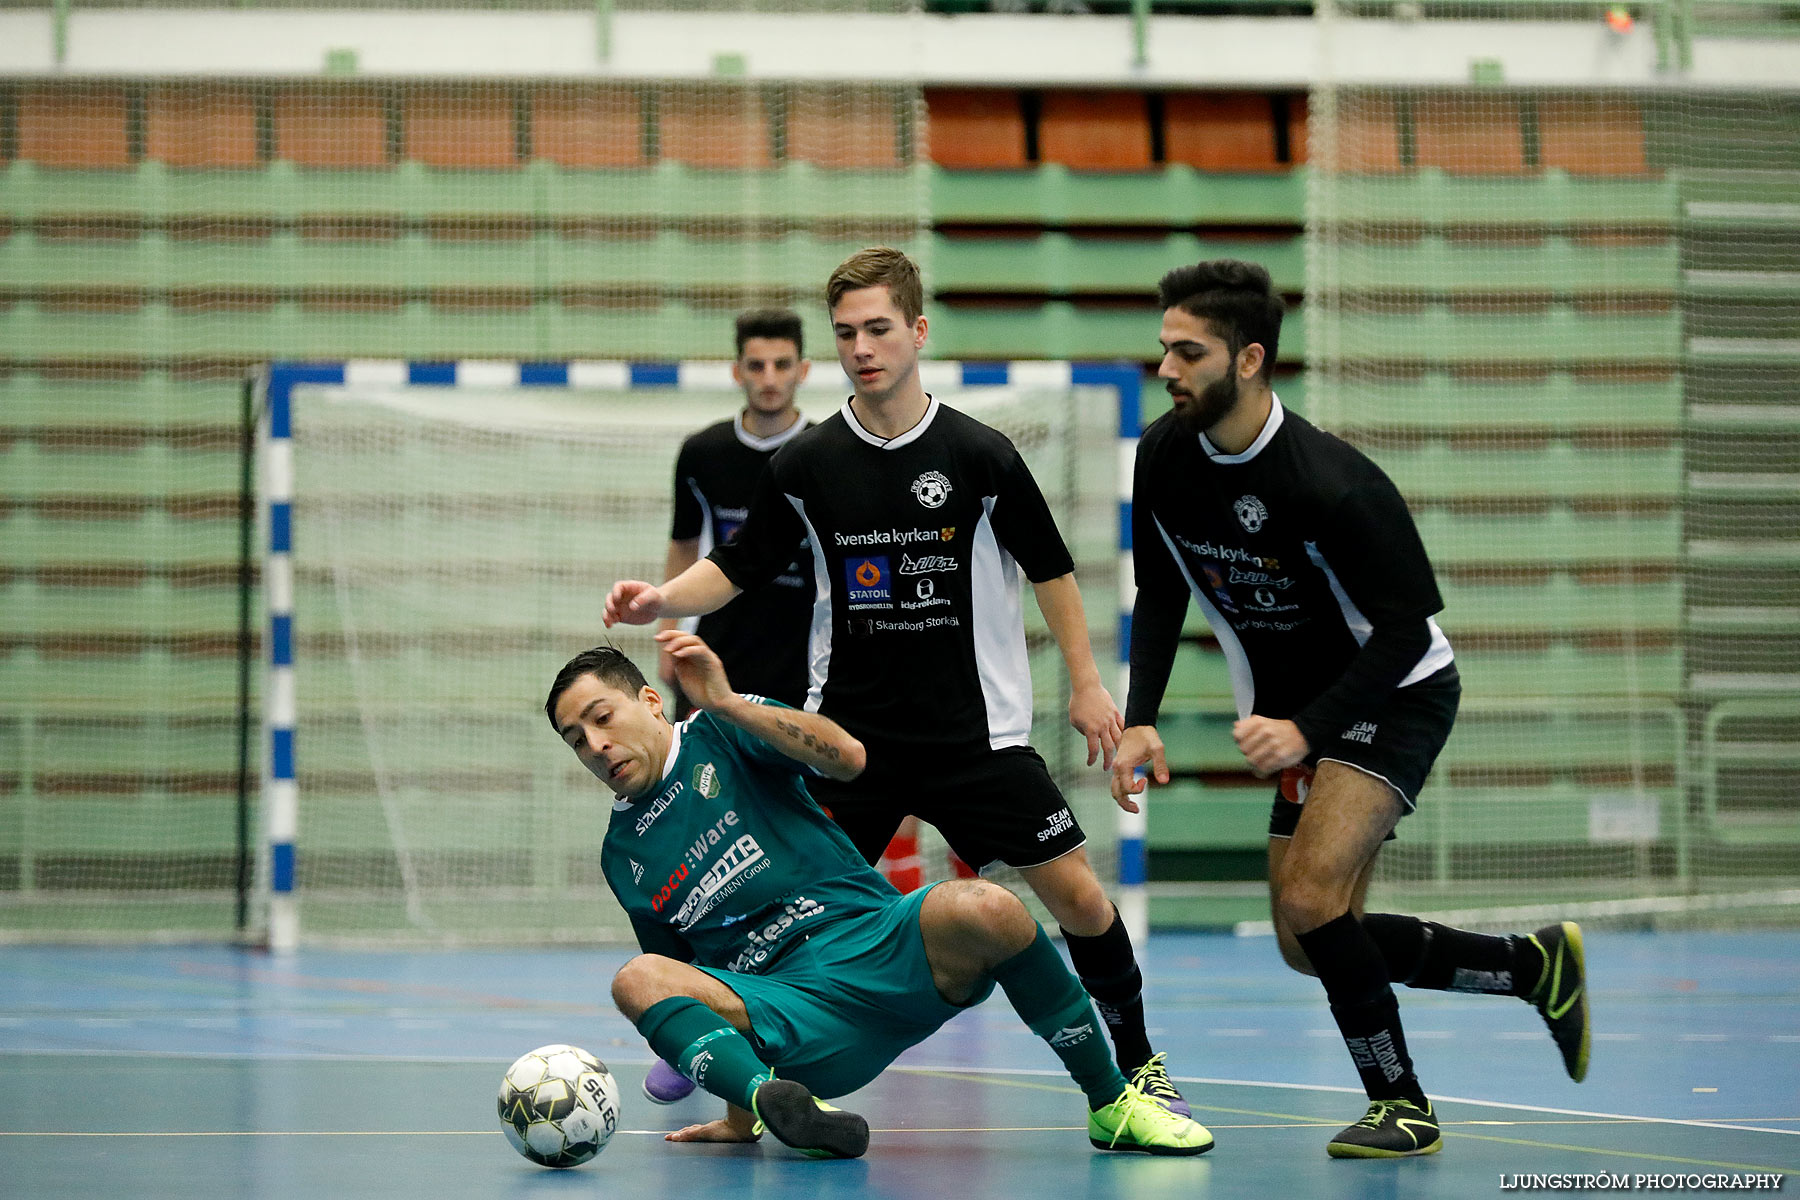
(811, 741)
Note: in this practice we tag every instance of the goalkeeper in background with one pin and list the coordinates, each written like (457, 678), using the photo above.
(778, 966)
(1305, 562)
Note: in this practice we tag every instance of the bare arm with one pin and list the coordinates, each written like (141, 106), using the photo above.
(700, 589)
(818, 742)
(738, 1125)
(1091, 707)
(683, 553)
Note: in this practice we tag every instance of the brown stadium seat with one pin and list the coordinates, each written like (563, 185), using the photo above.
(1592, 136)
(462, 126)
(1368, 134)
(583, 126)
(854, 127)
(1221, 131)
(1298, 129)
(200, 125)
(74, 126)
(1469, 135)
(331, 125)
(976, 127)
(1097, 130)
(719, 127)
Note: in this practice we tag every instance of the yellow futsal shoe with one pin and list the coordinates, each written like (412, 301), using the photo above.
(1136, 1122)
(1391, 1129)
(1561, 994)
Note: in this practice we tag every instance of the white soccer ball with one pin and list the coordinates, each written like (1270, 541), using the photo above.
(559, 1106)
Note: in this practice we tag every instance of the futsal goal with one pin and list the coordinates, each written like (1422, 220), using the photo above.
(440, 538)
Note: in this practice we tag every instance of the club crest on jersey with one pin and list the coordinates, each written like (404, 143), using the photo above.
(931, 489)
(1250, 513)
(706, 780)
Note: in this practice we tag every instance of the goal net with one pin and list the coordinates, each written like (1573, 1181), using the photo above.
(451, 547)
(1562, 320)
(556, 195)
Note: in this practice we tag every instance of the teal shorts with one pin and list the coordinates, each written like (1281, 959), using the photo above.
(841, 1006)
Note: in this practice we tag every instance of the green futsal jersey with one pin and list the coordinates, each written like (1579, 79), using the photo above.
(728, 861)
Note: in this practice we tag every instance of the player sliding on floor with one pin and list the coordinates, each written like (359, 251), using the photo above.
(778, 966)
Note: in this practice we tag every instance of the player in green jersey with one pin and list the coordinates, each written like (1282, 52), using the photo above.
(778, 966)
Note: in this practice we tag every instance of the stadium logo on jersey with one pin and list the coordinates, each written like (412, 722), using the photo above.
(1250, 513)
(706, 780)
(926, 563)
(931, 489)
(868, 582)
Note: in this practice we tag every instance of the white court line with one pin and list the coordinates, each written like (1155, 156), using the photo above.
(948, 1070)
(1326, 1087)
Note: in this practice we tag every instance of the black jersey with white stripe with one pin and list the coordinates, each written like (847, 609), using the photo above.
(1305, 561)
(918, 635)
(761, 635)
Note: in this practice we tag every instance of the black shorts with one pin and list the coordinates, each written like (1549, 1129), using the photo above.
(990, 805)
(1398, 744)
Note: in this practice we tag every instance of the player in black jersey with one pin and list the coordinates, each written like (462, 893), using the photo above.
(921, 519)
(761, 636)
(1305, 562)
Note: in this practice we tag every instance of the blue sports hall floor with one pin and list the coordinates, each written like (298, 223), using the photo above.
(202, 1071)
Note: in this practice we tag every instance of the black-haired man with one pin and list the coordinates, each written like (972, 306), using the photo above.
(1304, 560)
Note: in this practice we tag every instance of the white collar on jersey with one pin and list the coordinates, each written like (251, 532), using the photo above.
(621, 804)
(1262, 439)
(906, 439)
(774, 441)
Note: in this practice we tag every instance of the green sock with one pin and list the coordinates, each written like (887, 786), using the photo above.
(1051, 1001)
(702, 1045)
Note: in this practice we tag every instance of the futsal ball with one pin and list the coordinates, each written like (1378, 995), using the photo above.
(559, 1106)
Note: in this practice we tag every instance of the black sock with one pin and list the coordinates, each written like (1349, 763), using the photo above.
(1362, 1002)
(1108, 969)
(1424, 954)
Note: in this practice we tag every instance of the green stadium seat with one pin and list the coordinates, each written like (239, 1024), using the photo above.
(798, 192)
(1495, 737)
(1060, 329)
(1562, 334)
(1560, 604)
(1175, 197)
(41, 681)
(1063, 264)
(1569, 670)
(1557, 265)
(1531, 400)
(1553, 199)
(1436, 471)
(1558, 537)
(1187, 816)
(1556, 814)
